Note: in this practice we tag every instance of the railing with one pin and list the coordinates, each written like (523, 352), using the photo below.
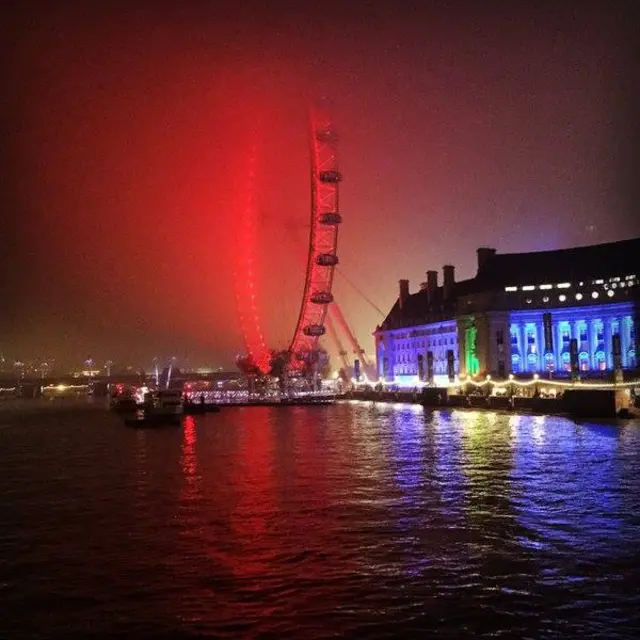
(242, 396)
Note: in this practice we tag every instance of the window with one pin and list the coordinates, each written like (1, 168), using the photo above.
(583, 361)
(565, 336)
(549, 362)
(583, 337)
(514, 341)
(532, 347)
(598, 329)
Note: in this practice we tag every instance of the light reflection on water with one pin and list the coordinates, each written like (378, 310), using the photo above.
(359, 519)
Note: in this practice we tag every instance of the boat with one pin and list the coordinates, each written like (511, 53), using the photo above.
(164, 402)
(123, 403)
(160, 408)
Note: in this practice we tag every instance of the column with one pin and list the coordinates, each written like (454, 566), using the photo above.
(620, 333)
(558, 346)
(522, 334)
(608, 351)
(591, 334)
(624, 340)
(539, 333)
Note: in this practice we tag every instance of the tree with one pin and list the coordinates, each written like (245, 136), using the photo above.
(248, 366)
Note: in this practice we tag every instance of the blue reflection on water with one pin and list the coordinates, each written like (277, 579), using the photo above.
(568, 485)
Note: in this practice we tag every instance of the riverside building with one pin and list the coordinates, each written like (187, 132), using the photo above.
(566, 313)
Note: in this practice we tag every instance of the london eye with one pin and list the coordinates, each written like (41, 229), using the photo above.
(322, 258)
(322, 255)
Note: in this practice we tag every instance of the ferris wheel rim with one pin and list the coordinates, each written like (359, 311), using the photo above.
(323, 238)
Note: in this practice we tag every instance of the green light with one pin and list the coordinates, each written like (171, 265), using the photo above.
(471, 359)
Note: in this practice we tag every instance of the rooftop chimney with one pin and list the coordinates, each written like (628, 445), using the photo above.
(448, 272)
(404, 292)
(432, 285)
(484, 255)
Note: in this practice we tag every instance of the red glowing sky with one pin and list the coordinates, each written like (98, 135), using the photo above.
(128, 133)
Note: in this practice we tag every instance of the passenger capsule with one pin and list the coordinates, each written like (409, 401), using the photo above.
(327, 260)
(330, 218)
(314, 330)
(322, 297)
(332, 177)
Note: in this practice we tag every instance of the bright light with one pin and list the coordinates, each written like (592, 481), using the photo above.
(578, 296)
(563, 285)
(562, 298)
(594, 294)
(528, 287)
(611, 293)
(546, 286)
(407, 381)
(61, 387)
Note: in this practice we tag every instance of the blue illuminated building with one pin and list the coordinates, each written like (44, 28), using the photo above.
(554, 312)
(593, 327)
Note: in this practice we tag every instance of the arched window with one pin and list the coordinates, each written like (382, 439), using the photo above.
(515, 363)
(631, 358)
(566, 361)
(601, 361)
(583, 361)
(532, 361)
(549, 362)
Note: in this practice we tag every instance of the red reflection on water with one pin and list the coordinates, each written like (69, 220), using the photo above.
(267, 513)
(141, 466)
(253, 485)
(188, 460)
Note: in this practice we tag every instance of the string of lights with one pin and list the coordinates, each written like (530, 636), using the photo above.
(501, 384)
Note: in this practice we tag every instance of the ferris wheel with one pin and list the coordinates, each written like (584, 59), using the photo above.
(323, 239)
(322, 258)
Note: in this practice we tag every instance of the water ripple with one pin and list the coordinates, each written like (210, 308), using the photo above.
(358, 520)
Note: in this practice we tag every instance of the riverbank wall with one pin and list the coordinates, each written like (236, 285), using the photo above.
(577, 403)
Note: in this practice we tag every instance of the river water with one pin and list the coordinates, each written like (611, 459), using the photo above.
(357, 520)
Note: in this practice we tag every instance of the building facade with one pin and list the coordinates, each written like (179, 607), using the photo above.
(559, 313)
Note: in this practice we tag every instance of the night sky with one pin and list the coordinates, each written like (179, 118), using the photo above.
(127, 133)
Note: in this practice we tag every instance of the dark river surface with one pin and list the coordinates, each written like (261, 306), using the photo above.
(357, 520)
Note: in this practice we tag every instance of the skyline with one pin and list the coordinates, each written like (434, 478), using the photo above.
(127, 133)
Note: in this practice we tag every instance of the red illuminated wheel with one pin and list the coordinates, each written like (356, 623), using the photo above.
(323, 240)
(257, 353)
(321, 260)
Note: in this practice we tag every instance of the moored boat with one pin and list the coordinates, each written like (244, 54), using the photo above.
(160, 408)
